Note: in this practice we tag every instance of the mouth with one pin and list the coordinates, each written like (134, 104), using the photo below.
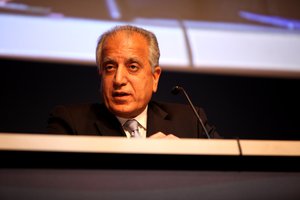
(120, 94)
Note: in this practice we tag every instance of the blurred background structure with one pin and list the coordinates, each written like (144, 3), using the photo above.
(239, 60)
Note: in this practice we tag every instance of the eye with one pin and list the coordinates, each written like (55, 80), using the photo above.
(108, 68)
(133, 67)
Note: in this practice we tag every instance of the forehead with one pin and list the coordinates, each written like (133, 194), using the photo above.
(125, 40)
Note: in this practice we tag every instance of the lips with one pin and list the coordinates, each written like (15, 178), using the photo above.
(120, 94)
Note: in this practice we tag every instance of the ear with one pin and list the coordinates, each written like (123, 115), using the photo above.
(99, 70)
(156, 75)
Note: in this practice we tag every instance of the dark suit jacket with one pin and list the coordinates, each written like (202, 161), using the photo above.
(95, 119)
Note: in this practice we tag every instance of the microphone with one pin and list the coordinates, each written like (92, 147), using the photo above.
(178, 89)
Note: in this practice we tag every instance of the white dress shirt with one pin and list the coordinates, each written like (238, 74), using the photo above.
(142, 120)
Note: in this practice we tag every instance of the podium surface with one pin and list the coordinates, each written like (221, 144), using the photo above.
(36, 166)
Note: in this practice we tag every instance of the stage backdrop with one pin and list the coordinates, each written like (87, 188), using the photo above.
(239, 60)
(239, 106)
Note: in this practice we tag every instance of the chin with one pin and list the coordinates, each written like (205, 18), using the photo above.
(121, 112)
(125, 114)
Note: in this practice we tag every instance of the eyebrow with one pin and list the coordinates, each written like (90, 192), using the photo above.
(134, 60)
(107, 61)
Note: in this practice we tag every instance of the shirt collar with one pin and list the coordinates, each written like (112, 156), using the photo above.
(141, 118)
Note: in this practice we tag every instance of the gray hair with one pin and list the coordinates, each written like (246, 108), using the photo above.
(154, 52)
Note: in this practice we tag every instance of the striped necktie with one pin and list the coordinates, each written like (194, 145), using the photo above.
(131, 126)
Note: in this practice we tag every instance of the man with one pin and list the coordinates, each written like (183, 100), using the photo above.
(128, 64)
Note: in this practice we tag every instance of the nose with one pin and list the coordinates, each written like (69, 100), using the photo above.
(120, 77)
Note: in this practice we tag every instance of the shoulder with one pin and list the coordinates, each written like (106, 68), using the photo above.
(167, 104)
(167, 110)
(175, 110)
(170, 107)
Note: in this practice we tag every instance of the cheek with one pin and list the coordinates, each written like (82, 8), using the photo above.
(146, 86)
(106, 81)
(143, 82)
(105, 85)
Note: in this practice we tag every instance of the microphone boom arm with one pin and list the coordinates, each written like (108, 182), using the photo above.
(176, 89)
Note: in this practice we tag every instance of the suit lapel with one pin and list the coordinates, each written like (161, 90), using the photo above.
(157, 119)
(106, 123)
(109, 130)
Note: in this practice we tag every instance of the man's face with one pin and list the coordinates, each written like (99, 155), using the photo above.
(127, 78)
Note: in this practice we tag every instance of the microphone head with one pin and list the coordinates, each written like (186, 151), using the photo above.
(175, 90)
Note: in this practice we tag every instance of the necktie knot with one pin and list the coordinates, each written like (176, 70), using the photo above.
(132, 126)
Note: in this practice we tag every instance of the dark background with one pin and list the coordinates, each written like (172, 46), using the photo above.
(239, 106)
